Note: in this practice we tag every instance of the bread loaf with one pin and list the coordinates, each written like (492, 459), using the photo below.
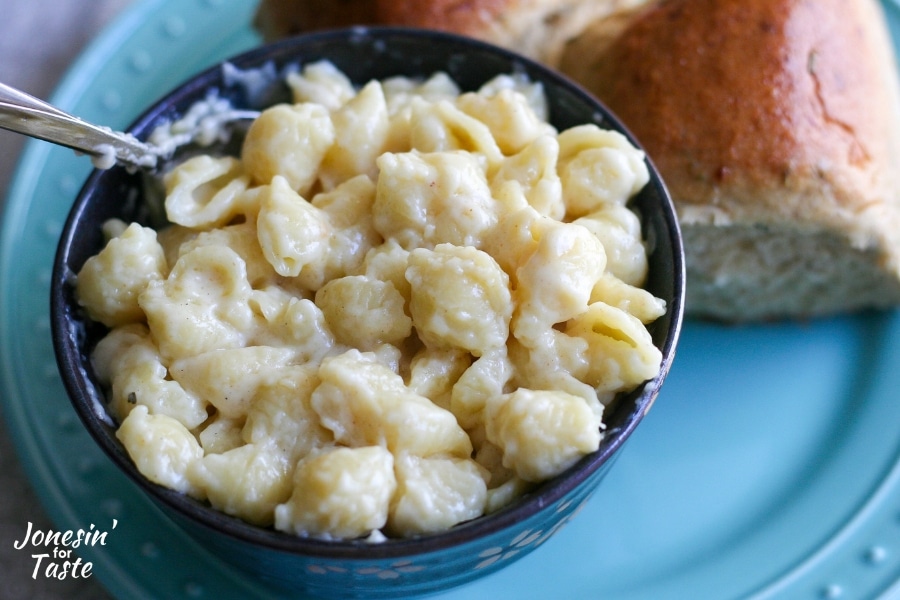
(536, 28)
(776, 125)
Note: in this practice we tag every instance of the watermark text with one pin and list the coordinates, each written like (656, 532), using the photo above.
(53, 550)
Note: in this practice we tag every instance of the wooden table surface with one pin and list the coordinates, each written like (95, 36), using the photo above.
(39, 40)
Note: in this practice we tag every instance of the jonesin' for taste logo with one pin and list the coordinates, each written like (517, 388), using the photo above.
(53, 554)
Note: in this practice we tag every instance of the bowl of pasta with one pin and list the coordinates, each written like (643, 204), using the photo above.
(400, 323)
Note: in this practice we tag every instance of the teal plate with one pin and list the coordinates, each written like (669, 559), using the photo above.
(769, 468)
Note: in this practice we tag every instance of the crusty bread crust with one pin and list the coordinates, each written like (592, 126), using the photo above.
(755, 94)
(778, 114)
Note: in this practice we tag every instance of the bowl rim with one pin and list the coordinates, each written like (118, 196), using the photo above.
(545, 495)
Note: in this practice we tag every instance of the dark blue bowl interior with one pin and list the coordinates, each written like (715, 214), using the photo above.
(363, 54)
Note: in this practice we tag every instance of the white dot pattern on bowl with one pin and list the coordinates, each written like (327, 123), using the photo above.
(394, 571)
(525, 541)
(325, 569)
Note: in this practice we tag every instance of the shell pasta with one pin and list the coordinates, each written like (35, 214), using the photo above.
(398, 309)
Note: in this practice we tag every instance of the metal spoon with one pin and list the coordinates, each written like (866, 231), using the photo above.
(23, 113)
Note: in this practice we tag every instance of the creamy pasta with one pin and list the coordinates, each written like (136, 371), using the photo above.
(401, 306)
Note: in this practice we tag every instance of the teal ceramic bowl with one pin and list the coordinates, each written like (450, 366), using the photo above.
(397, 567)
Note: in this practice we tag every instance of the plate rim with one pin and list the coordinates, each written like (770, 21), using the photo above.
(32, 163)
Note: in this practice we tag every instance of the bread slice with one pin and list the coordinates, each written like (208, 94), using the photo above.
(536, 28)
(776, 126)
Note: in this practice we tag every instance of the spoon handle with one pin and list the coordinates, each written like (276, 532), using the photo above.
(23, 113)
(10, 95)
